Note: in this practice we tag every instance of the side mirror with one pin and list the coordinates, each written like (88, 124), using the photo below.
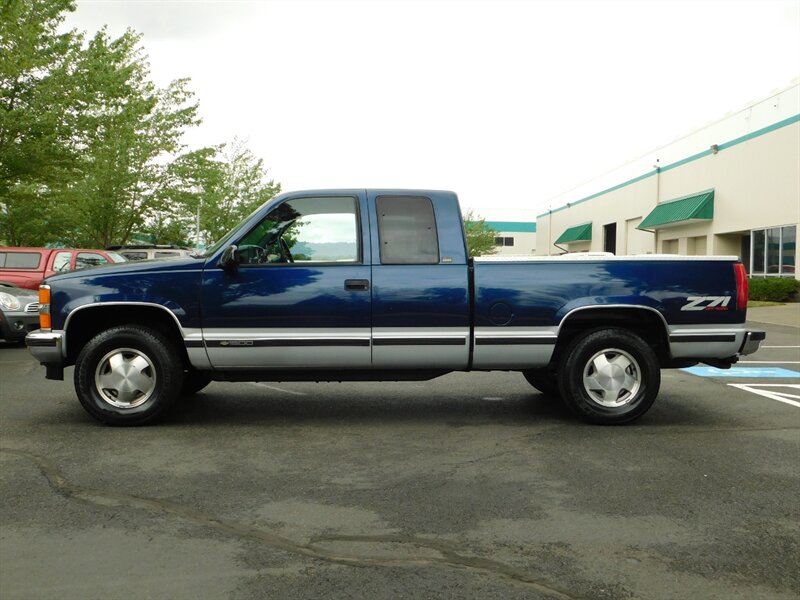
(230, 258)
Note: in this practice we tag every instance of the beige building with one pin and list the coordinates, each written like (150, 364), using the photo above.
(732, 187)
(514, 238)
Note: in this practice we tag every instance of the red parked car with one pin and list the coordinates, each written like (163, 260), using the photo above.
(27, 267)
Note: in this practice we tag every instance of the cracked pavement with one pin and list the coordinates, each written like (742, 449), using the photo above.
(472, 485)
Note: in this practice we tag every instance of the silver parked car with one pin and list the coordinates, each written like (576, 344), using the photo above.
(19, 313)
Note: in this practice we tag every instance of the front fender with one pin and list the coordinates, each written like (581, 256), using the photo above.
(176, 291)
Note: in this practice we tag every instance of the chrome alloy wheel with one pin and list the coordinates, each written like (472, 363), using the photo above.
(612, 378)
(125, 378)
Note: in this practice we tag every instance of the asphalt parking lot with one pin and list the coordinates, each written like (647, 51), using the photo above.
(469, 486)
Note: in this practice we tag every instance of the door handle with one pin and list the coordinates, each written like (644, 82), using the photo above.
(356, 285)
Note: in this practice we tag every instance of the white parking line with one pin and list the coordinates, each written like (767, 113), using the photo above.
(277, 389)
(771, 362)
(784, 397)
(780, 346)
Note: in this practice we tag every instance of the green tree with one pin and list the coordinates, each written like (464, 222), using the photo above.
(192, 180)
(88, 144)
(224, 184)
(38, 150)
(129, 131)
(480, 237)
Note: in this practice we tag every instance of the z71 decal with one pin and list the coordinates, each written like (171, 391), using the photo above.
(707, 303)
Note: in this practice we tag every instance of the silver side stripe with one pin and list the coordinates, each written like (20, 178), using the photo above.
(319, 342)
(514, 340)
(420, 337)
(266, 338)
(436, 336)
(699, 337)
(515, 336)
(287, 342)
(276, 338)
(698, 341)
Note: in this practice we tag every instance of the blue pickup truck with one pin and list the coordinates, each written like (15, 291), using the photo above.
(371, 285)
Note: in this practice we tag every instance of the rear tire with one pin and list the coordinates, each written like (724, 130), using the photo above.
(128, 375)
(609, 376)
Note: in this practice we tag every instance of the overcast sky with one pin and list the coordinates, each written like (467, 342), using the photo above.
(507, 103)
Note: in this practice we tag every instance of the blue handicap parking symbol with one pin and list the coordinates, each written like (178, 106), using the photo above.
(752, 372)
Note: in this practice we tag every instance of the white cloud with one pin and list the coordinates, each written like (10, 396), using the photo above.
(507, 103)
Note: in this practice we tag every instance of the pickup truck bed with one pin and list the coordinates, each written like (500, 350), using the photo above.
(376, 284)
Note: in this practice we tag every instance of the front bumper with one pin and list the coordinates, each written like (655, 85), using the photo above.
(752, 342)
(49, 349)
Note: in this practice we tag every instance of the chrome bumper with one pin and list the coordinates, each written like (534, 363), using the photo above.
(752, 342)
(46, 346)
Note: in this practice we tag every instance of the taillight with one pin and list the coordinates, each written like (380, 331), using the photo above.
(741, 286)
(45, 322)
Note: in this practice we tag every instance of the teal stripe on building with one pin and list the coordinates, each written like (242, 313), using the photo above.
(512, 226)
(679, 163)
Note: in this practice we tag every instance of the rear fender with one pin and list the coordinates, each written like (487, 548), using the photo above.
(645, 321)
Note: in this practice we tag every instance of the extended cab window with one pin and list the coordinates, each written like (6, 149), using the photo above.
(305, 230)
(407, 230)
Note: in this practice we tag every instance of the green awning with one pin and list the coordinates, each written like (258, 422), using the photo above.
(579, 233)
(697, 207)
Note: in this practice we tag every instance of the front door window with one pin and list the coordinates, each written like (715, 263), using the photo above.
(307, 231)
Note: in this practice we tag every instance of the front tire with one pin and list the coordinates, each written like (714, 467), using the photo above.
(128, 375)
(609, 376)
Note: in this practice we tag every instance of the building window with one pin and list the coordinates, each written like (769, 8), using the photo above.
(504, 241)
(697, 246)
(773, 251)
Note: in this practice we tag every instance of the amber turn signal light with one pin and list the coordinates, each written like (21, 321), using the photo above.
(45, 322)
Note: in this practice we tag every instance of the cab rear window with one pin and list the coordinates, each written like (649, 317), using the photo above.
(407, 230)
(20, 260)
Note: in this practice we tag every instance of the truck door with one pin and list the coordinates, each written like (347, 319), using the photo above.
(301, 295)
(420, 295)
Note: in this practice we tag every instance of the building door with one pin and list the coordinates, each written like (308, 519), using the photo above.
(636, 240)
(610, 238)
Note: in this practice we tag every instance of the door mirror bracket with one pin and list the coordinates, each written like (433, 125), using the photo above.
(230, 258)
